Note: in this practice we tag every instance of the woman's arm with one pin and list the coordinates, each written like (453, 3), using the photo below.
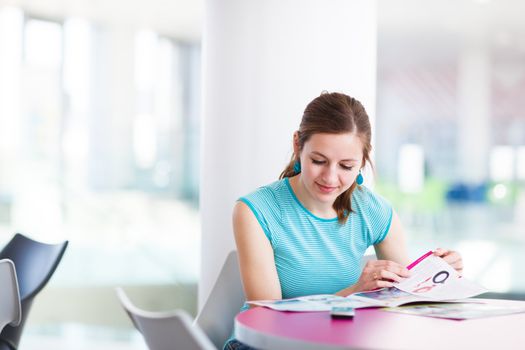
(390, 265)
(393, 247)
(392, 258)
(258, 272)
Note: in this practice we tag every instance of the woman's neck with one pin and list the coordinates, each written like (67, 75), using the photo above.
(320, 209)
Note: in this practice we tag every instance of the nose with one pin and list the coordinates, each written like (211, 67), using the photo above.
(329, 175)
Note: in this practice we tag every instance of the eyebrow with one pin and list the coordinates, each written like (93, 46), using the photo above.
(342, 160)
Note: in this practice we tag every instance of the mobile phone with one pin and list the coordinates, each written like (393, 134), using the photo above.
(342, 312)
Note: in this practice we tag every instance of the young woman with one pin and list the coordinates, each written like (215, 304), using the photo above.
(307, 232)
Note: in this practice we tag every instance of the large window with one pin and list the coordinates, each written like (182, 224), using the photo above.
(99, 145)
(451, 131)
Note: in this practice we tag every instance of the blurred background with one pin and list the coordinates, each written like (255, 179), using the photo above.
(100, 120)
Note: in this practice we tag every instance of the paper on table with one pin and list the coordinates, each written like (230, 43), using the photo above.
(458, 311)
(384, 297)
(319, 302)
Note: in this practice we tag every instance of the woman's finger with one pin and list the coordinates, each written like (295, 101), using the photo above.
(399, 270)
(393, 267)
(387, 275)
(441, 252)
(384, 284)
(453, 258)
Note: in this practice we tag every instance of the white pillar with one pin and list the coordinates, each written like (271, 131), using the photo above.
(113, 107)
(474, 85)
(263, 61)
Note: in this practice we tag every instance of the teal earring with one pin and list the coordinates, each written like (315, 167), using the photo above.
(359, 180)
(297, 167)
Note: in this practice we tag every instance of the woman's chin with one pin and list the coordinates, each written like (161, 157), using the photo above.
(327, 197)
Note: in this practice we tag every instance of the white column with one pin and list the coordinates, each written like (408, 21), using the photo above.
(113, 107)
(474, 110)
(263, 61)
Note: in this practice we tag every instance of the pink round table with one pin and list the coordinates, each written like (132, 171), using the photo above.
(264, 328)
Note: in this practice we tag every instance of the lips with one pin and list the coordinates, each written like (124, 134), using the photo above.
(326, 189)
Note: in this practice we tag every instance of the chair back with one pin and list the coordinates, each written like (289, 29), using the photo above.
(172, 330)
(365, 259)
(10, 310)
(216, 317)
(35, 263)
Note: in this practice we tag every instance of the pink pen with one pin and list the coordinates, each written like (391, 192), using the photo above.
(421, 258)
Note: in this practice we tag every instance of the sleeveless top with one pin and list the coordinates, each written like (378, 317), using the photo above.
(314, 255)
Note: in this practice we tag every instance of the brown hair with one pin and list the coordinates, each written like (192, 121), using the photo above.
(334, 113)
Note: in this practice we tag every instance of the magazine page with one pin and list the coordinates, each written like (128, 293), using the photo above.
(310, 303)
(434, 279)
(385, 297)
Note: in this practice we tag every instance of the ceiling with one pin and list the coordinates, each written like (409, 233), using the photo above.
(180, 19)
(430, 23)
(437, 29)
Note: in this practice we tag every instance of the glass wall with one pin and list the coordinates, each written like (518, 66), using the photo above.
(99, 145)
(451, 131)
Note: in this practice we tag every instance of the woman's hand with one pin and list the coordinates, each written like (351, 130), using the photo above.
(453, 258)
(380, 274)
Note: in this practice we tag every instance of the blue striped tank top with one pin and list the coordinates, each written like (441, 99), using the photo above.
(315, 255)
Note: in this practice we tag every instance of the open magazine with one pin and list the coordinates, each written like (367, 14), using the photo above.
(431, 280)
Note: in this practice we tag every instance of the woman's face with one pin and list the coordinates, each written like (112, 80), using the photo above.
(330, 164)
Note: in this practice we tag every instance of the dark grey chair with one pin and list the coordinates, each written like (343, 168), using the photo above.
(35, 263)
